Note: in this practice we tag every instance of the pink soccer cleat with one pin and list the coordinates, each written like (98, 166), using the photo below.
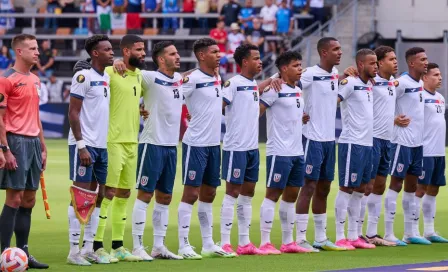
(293, 248)
(345, 244)
(250, 249)
(360, 243)
(269, 249)
(228, 248)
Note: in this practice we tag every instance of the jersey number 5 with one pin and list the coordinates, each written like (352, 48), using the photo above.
(105, 92)
(298, 103)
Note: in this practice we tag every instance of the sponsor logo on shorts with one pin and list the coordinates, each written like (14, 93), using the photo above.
(144, 180)
(277, 177)
(400, 167)
(309, 169)
(422, 176)
(236, 173)
(191, 175)
(354, 177)
(82, 171)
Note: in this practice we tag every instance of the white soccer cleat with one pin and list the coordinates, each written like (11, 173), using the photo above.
(188, 253)
(77, 259)
(164, 253)
(141, 252)
(217, 251)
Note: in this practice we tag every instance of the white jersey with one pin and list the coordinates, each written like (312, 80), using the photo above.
(320, 92)
(384, 98)
(203, 96)
(6, 5)
(163, 98)
(434, 133)
(356, 112)
(242, 113)
(94, 90)
(284, 121)
(409, 103)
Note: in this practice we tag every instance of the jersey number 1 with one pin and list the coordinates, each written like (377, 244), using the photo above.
(135, 91)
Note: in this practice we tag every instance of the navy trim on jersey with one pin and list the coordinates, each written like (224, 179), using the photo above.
(413, 90)
(407, 74)
(430, 92)
(226, 101)
(246, 88)
(206, 84)
(341, 97)
(288, 95)
(322, 78)
(251, 79)
(163, 82)
(362, 88)
(264, 103)
(165, 74)
(98, 83)
(101, 74)
(206, 73)
(77, 96)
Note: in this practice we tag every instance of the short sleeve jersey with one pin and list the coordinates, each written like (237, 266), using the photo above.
(434, 133)
(384, 98)
(356, 112)
(242, 112)
(94, 91)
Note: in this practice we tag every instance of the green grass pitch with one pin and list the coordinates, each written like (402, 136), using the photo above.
(49, 238)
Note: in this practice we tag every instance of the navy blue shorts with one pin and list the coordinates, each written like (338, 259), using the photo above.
(156, 168)
(201, 165)
(97, 171)
(285, 171)
(406, 160)
(320, 159)
(433, 171)
(354, 164)
(380, 157)
(240, 166)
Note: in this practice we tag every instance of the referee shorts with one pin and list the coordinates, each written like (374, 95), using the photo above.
(122, 160)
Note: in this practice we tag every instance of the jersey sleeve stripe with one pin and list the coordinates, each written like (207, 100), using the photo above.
(341, 97)
(77, 96)
(226, 101)
(264, 103)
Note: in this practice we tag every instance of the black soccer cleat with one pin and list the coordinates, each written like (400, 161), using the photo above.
(35, 264)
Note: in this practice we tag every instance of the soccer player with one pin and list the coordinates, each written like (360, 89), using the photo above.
(355, 148)
(22, 143)
(201, 153)
(122, 144)
(157, 156)
(284, 162)
(89, 119)
(434, 134)
(383, 124)
(407, 147)
(241, 158)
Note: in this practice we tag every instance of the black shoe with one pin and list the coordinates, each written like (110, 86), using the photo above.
(35, 264)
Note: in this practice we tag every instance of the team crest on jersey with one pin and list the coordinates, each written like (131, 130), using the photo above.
(277, 177)
(344, 81)
(236, 173)
(267, 89)
(226, 84)
(144, 180)
(186, 79)
(422, 176)
(80, 78)
(309, 169)
(354, 177)
(191, 175)
(82, 171)
(396, 83)
(400, 167)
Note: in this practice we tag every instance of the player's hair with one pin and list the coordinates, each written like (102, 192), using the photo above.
(21, 38)
(93, 41)
(128, 41)
(158, 49)
(360, 55)
(286, 58)
(202, 44)
(324, 42)
(382, 51)
(413, 51)
(431, 66)
(243, 52)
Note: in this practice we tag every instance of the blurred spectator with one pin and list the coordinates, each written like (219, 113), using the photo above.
(5, 59)
(151, 6)
(316, 8)
(46, 60)
(202, 7)
(235, 38)
(256, 36)
(284, 25)
(188, 7)
(119, 6)
(213, 9)
(103, 7)
(134, 6)
(220, 36)
(170, 6)
(54, 87)
(247, 15)
(52, 5)
(268, 15)
(89, 6)
(298, 6)
(230, 12)
(69, 6)
(7, 6)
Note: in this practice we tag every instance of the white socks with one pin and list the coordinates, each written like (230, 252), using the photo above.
(408, 211)
(205, 215)
(301, 226)
(160, 217)
(362, 214)
(227, 211)
(340, 208)
(138, 222)
(429, 213)
(184, 218)
(244, 213)
(374, 207)
(320, 227)
(90, 230)
(416, 213)
(74, 231)
(390, 206)
(287, 212)
(354, 209)
(266, 218)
